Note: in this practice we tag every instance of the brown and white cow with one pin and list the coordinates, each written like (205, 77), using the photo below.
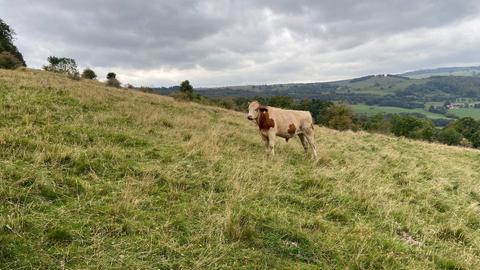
(274, 122)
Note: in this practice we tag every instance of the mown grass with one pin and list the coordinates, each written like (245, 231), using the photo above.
(95, 177)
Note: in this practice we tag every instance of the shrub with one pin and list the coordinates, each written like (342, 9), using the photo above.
(113, 82)
(185, 87)
(111, 75)
(449, 136)
(475, 139)
(89, 74)
(186, 93)
(412, 127)
(341, 117)
(377, 123)
(426, 132)
(467, 126)
(9, 61)
(61, 65)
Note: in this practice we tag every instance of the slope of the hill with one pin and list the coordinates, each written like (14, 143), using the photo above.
(99, 178)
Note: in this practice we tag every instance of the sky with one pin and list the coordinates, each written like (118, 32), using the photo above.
(219, 43)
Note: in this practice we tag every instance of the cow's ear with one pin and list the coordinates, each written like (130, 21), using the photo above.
(263, 108)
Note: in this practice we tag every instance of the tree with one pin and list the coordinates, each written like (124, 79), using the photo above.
(412, 127)
(111, 75)
(281, 101)
(186, 93)
(341, 117)
(475, 139)
(318, 108)
(449, 136)
(426, 132)
(404, 125)
(61, 65)
(6, 42)
(112, 80)
(377, 123)
(467, 126)
(89, 74)
(186, 88)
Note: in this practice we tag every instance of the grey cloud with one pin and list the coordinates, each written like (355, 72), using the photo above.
(229, 42)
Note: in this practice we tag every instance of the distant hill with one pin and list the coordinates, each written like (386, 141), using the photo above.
(363, 89)
(412, 91)
(443, 71)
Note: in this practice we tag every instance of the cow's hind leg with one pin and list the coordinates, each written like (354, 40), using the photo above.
(304, 142)
(310, 136)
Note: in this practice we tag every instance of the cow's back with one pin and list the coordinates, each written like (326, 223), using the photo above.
(284, 119)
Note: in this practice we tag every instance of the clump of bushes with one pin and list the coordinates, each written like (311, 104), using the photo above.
(9, 61)
(89, 74)
(61, 65)
(341, 117)
(186, 92)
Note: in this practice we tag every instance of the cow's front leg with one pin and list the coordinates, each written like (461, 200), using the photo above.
(265, 141)
(271, 142)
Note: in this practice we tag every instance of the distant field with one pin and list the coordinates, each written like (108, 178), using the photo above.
(466, 112)
(371, 110)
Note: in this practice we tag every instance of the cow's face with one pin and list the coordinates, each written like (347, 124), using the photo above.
(253, 108)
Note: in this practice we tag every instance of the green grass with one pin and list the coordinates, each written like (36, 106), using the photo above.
(372, 110)
(466, 112)
(99, 178)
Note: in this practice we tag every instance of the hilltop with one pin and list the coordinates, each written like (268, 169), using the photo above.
(97, 177)
(444, 71)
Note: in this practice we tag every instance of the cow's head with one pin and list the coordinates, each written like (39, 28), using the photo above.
(254, 109)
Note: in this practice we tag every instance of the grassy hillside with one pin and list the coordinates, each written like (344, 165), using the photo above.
(98, 178)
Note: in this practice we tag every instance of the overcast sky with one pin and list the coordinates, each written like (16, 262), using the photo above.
(215, 43)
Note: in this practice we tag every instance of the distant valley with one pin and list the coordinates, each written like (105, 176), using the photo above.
(442, 93)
